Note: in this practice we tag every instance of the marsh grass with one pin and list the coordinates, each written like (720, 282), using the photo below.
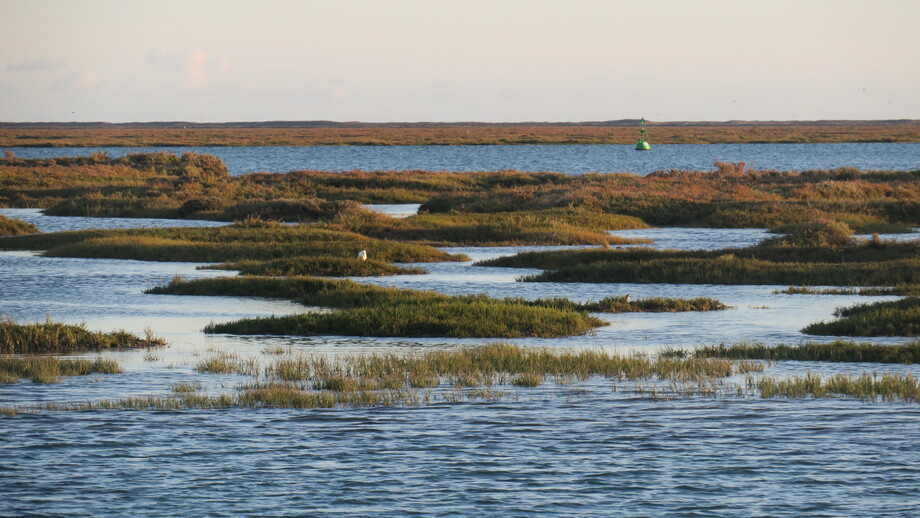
(894, 264)
(866, 291)
(223, 244)
(367, 310)
(55, 338)
(870, 387)
(319, 266)
(49, 369)
(894, 318)
(836, 351)
(421, 134)
(619, 304)
(518, 228)
(185, 388)
(15, 227)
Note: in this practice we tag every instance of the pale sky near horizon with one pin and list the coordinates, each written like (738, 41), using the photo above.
(430, 60)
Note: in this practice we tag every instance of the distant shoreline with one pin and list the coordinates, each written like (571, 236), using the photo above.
(330, 133)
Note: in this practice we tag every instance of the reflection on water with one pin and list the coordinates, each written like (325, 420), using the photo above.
(558, 449)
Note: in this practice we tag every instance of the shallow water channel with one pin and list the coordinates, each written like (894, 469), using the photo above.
(592, 448)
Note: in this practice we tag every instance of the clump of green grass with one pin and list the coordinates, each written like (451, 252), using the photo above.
(226, 363)
(528, 379)
(894, 318)
(836, 351)
(820, 232)
(462, 317)
(56, 338)
(870, 387)
(186, 388)
(15, 227)
(322, 266)
(49, 369)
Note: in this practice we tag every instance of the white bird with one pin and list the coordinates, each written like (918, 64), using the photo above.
(628, 298)
(362, 255)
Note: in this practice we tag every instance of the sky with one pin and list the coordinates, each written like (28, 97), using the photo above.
(446, 60)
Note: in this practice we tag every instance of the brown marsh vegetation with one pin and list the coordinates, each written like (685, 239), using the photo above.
(163, 185)
(370, 134)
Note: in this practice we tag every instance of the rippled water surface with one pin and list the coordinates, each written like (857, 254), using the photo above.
(572, 159)
(594, 448)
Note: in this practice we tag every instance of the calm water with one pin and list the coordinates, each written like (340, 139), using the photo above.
(556, 450)
(567, 159)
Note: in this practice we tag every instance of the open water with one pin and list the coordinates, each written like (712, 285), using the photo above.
(570, 159)
(584, 449)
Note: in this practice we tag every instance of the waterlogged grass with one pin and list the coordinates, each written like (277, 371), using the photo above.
(867, 291)
(649, 305)
(319, 266)
(836, 351)
(478, 373)
(894, 318)
(869, 387)
(15, 227)
(50, 369)
(55, 338)
(868, 264)
(491, 363)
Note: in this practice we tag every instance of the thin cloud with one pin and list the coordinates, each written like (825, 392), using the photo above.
(77, 81)
(36, 65)
(195, 74)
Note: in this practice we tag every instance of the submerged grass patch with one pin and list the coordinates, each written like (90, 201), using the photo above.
(836, 351)
(894, 318)
(49, 369)
(56, 338)
(870, 387)
(623, 304)
(866, 291)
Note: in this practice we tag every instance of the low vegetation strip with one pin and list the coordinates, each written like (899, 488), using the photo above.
(321, 266)
(55, 338)
(234, 243)
(870, 387)
(15, 227)
(623, 304)
(367, 310)
(894, 318)
(490, 363)
(733, 270)
(198, 186)
(858, 265)
(518, 228)
(48, 369)
(836, 351)
(462, 318)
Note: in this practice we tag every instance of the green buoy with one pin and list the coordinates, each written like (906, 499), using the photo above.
(642, 144)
